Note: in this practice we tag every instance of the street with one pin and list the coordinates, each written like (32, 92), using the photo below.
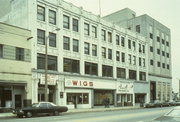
(134, 115)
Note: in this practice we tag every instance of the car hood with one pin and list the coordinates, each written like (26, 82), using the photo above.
(167, 119)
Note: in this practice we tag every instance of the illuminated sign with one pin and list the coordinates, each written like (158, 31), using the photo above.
(78, 83)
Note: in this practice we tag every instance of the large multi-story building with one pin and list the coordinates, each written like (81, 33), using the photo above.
(15, 66)
(89, 58)
(159, 51)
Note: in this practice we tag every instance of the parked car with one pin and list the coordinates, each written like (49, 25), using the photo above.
(40, 108)
(171, 116)
(149, 105)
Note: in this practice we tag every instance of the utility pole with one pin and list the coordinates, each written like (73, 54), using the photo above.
(46, 67)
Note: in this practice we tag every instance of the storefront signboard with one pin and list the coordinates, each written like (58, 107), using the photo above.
(78, 83)
(125, 87)
(51, 79)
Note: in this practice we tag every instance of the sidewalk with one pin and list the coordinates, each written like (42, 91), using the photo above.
(96, 109)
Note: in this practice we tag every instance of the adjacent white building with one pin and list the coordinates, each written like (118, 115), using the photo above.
(89, 59)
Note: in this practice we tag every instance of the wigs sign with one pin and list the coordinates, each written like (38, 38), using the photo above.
(78, 83)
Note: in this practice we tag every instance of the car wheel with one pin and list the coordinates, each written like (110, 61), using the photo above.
(56, 113)
(28, 114)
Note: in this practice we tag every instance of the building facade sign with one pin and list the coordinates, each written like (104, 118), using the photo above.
(78, 83)
(51, 79)
(125, 88)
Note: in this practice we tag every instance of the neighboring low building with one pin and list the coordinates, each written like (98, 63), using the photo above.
(15, 67)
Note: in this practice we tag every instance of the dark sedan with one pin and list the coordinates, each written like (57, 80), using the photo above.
(172, 116)
(40, 108)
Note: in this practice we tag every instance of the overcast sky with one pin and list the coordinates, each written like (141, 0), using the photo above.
(165, 11)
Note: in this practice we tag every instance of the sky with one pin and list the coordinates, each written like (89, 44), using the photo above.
(164, 11)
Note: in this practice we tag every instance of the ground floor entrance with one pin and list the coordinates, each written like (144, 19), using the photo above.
(124, 99)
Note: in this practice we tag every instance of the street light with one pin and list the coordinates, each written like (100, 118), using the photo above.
(46, 65)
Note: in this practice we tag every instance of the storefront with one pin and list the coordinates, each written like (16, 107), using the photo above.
(125, 92)
(78, 93)
(141, 91)
(100, 96)
(12, 96)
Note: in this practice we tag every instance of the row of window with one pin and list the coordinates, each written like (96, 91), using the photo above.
(73, 66)
(19, 53)
(158, 39)
(41, 15)
(159, 64)
(159, 52)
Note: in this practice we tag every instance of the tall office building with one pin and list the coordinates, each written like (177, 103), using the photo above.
(159, 49)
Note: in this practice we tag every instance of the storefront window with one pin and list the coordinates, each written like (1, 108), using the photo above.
(100, 95)
(77, 98)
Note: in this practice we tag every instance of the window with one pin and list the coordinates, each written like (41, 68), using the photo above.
(75, 25)
(138, 29)
(134, 60)
(163, 41)
(94, 31)
(158, 39)
(1, 50)
(86, 48)
(19, 54)
(140, 61)
(94, 50)
(143, 48)
(167, 66)
(107, 71)
(158, 64)
(86, 29)
(129, 59)
(52, 62)
(167, 54)
(103, 52)
(142, 76)
(158, 51)
(151, 35)
(121, 73)
(122, 41)
(41, 37)
(140, 48)
(123, 57)
(110, 37)
(163, 65)
(52, 17)
(71, 65)
(129, 43)
(117, 40)
(134, 45)
(52, 39)
(167, 44)
(75, 45)
(109, 53)
(66, 22)
(66, 41)
(117, 56)
(163, 53)
(132, 74)
(41, 13)
(82, 98)
(151, 62)
(91, 68)
(144, 62)
(103, 35)
(151, 49)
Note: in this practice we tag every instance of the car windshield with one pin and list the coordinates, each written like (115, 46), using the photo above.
(35, 105)
(174, 112)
